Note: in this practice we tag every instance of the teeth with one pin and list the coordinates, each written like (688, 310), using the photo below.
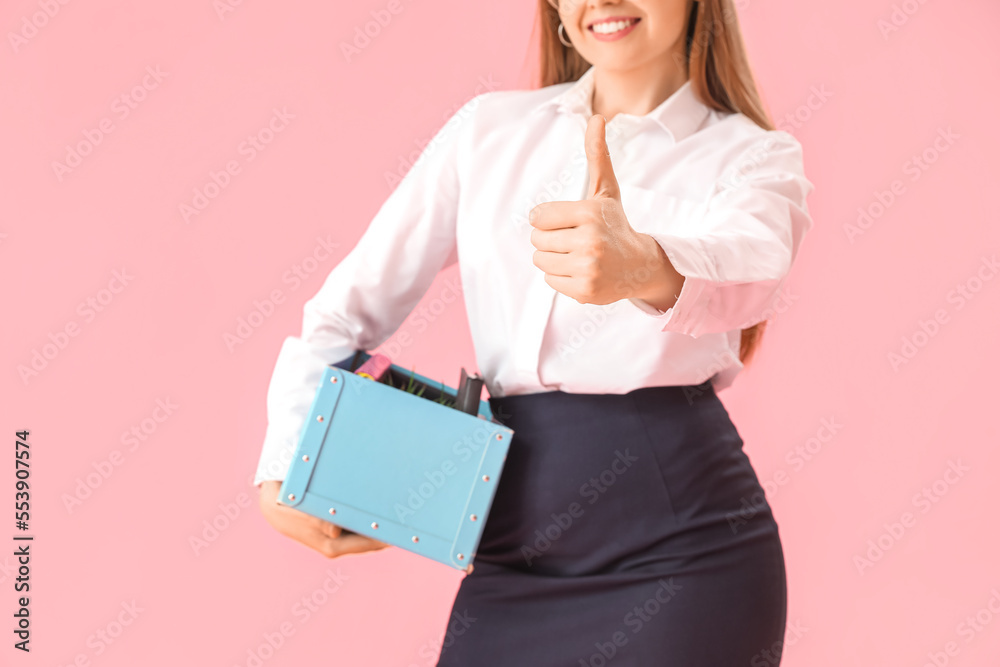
(614, 26)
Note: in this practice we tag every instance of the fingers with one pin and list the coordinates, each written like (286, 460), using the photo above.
(269, 490)
(553, 240)
(326, 538)
(353, 543)
(329, 530)
(603, 182)
(300, 527)
(554, 263)
(554, 215)
(563, 284)
(565, 214)
(323, 536)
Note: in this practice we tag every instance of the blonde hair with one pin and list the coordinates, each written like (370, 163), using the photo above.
(715, 61)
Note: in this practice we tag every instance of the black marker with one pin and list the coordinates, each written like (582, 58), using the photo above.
(470, 390)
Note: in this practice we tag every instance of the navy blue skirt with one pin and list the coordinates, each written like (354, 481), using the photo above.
(626, 530)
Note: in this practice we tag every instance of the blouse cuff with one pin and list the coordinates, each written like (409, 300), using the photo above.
(695, 292)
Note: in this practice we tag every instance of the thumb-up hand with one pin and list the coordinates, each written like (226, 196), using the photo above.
(587, 249)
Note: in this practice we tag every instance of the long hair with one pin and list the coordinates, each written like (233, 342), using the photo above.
(715, 62)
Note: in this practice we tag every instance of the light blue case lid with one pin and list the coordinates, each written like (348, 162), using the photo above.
(397, 467)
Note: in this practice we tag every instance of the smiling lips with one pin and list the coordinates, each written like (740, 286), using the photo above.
(614, 27)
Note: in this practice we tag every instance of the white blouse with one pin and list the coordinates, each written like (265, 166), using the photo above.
(724, 198)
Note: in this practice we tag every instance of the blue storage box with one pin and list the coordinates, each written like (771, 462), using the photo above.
(400, 468)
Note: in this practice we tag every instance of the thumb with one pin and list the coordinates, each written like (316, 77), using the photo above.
(602, 176)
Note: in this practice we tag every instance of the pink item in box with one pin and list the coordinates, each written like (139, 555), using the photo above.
(375, 367)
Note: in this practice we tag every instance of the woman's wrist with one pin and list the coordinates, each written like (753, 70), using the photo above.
(664, 283)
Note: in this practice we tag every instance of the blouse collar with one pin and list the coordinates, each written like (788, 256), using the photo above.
(679, 115)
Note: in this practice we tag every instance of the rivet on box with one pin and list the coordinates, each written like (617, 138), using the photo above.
(333, 511)
(333, 380)
(499, 436)
(374, 524)
(291, 496)
(486, 478)
(416, 539)
(461, 557)
(319, 418)
(473, 517)
(305, 457)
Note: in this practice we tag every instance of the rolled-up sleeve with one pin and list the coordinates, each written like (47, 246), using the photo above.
(369, 294)
(737, 251)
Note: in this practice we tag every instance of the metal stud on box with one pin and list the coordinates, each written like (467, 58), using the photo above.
(312, 477)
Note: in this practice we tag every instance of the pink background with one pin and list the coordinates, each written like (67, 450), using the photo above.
(160, 336)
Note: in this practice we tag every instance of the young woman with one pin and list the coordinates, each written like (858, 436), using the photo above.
(621, 233)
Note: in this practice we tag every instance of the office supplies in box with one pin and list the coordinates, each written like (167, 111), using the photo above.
(403, 469)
